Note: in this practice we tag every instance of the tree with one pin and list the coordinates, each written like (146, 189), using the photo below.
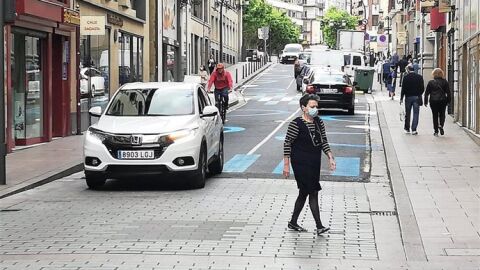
(259, 14)
(335, 20)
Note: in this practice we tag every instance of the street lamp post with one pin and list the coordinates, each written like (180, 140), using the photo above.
(388, 36)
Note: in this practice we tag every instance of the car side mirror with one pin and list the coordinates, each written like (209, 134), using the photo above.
(306, 81)
(95, 111)
(354, 83)
(209, 111)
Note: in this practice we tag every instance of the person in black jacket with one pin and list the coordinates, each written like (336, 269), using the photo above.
(401, 66)
(412, 90)
(439, 92)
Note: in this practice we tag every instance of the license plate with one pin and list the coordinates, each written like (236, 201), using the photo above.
(136, 154)
(291, 58)
(328, 91)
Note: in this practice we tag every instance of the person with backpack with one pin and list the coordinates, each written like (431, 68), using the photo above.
(438, 94)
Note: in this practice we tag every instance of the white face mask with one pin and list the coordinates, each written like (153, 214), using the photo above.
(313, 112)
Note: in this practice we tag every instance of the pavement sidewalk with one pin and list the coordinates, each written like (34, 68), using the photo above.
(435, 184)
(43, 163)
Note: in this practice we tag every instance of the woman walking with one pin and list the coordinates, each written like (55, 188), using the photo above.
(391, 81)
(305, 140)
(438, 92)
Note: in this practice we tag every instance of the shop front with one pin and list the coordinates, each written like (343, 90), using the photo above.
(39, 77)
(112, 48)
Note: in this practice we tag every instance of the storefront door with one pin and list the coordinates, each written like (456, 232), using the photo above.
(27, 83)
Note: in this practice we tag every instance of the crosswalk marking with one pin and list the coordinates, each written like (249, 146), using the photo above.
(263, 99)
(287, 99)
(272, 102)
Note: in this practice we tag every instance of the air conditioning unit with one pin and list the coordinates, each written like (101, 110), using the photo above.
(125, 3)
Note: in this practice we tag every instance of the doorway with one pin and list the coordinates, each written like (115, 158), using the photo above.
(28, 87)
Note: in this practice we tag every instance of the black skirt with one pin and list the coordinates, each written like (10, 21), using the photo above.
(306, 168)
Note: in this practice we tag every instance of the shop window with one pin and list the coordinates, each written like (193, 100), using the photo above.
(130, 58)
(95, 65)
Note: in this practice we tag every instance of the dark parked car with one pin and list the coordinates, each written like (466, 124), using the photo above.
(334, 88)
(252, 55)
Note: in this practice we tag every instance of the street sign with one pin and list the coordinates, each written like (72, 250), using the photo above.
(92, 25)
(263, 33)
(382, 41)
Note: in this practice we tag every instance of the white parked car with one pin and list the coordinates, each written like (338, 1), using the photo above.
(155, 129)
(97, 82)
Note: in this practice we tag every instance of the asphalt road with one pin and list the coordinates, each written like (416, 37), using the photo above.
(255, 132)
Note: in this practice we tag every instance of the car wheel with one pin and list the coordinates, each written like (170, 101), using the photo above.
(351, 111)
(94, 181)
(200, 175)
(217, 166)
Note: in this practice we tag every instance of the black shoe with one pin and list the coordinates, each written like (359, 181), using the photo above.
(407, 131)
(442, 132)
(414, 132)
(322, 230)
(296, 227)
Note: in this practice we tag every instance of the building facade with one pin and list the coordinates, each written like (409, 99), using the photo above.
(467, 92)
(41, 73)
(306, 14)
(231, 18)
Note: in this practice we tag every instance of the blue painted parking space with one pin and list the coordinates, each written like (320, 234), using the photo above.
(347, 166)
(240, 163)
(228, 129)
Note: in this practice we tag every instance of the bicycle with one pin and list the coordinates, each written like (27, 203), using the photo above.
(221, 102)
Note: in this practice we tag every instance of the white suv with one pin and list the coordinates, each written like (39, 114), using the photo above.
(152, 129)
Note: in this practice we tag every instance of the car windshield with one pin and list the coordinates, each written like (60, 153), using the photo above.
(152, 102)
(292, 49)
(327, 58)
(326, 77)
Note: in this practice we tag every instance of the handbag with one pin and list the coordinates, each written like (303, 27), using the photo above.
(402, 113)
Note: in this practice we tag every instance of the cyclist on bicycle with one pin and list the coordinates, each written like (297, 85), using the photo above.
(222, 80)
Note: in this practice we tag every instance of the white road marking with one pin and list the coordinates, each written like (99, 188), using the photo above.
(264, 99)
(275, 102)
(287, 99)
(254, 149)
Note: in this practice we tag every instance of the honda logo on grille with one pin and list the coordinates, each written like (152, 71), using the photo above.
(136, 140)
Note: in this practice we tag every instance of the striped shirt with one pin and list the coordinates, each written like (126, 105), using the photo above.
(292, 133)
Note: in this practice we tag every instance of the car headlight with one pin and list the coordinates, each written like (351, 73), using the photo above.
(97, 133)
(177, 136)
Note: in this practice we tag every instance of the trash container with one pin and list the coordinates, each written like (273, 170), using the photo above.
(364, 78)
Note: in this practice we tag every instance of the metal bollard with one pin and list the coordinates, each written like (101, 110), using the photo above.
(236, 75)
(243, 72)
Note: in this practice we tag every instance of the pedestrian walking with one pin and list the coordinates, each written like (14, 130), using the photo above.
(211, 64)
(379, 69)
(386, 70)
(395, 59)
(391, 81)
(402, 64)
(412, 90)
(203, 75)
(305, 140)
(438, 94)
(416, 66)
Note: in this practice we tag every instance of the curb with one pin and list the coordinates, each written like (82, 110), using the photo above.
(409, 231)
(41, 180)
